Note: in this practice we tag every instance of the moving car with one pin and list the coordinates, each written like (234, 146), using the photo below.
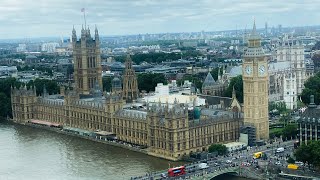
(203, 166)
(280, 150)
(293, 166)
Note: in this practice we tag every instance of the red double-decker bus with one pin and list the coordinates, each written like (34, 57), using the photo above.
(177, 171)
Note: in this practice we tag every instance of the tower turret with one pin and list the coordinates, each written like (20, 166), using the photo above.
(83, 33)
(96, 35)
(87, 63)
(116, 86)
(130, 83)
(74, 36)
(88, 32)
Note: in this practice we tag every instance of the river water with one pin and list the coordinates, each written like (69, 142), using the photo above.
(30, 153)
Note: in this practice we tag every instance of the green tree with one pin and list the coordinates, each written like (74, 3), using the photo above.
(237, 83)
(290, 130)
(5, 105)
(106, 83)
(290, 160)
(285, 119)
(159, 57)
(5, 96)
(221, 149)
(275, 132)
(281, 107)
(51, 86)
(215, 73)
(148, 81)
(312, 86)
(309, 153)
(195, 79)
(316, 59)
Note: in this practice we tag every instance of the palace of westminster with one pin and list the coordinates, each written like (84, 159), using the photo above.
(167, 128)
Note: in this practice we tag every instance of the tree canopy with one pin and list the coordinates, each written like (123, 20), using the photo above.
(51, 86)
(5, 105)
(195, 79)
(46, 70)
(309, 153)
(148, 81)
(316, 59)
(290, 131)
(215, 73)
(237, 83)
(159, 57)
(279, 107)
(5, 91)
(312, 86)
(5, 96)
(221, 149)
(106, 83)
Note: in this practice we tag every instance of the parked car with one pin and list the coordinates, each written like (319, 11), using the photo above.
(299, 163)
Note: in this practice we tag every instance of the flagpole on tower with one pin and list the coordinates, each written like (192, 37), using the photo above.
(84, 17)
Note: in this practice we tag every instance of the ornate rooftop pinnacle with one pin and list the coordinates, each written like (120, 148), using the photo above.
(254, 34)
(233, 92)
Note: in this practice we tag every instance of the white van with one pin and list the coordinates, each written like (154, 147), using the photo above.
(279, 150)
(203, 166)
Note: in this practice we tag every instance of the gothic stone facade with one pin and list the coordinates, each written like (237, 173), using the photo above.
(87, 61)
(255, 86)
(166, 132)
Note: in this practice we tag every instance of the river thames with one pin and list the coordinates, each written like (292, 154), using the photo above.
(30, 153)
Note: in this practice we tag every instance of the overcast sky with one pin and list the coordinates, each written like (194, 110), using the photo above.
(43, 18)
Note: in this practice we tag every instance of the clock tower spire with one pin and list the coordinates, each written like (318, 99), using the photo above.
(255, 86)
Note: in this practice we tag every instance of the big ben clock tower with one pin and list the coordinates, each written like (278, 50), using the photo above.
(255, 86)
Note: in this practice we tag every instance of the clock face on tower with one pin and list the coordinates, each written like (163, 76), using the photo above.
(248, 70)
(262, 69)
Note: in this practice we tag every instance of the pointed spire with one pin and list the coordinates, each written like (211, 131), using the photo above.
(88, 31)
(83, 32)
(219, 77)
(254, 34)
(96, 34)
(233, 93)
(128, 62)
(254, 29)
(25, 86)
(44, 91)
(95, 29)
(34, 90)
(74, 35)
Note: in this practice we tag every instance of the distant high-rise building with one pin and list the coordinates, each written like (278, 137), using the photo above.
(255, 86)
(279, 28)
(87, 61)
(266, 29)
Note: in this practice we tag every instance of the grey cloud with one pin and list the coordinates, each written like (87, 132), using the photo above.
(24, 18)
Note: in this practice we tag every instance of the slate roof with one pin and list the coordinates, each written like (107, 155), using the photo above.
(209, 81)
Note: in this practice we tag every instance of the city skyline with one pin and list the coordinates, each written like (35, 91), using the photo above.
(29, 19)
